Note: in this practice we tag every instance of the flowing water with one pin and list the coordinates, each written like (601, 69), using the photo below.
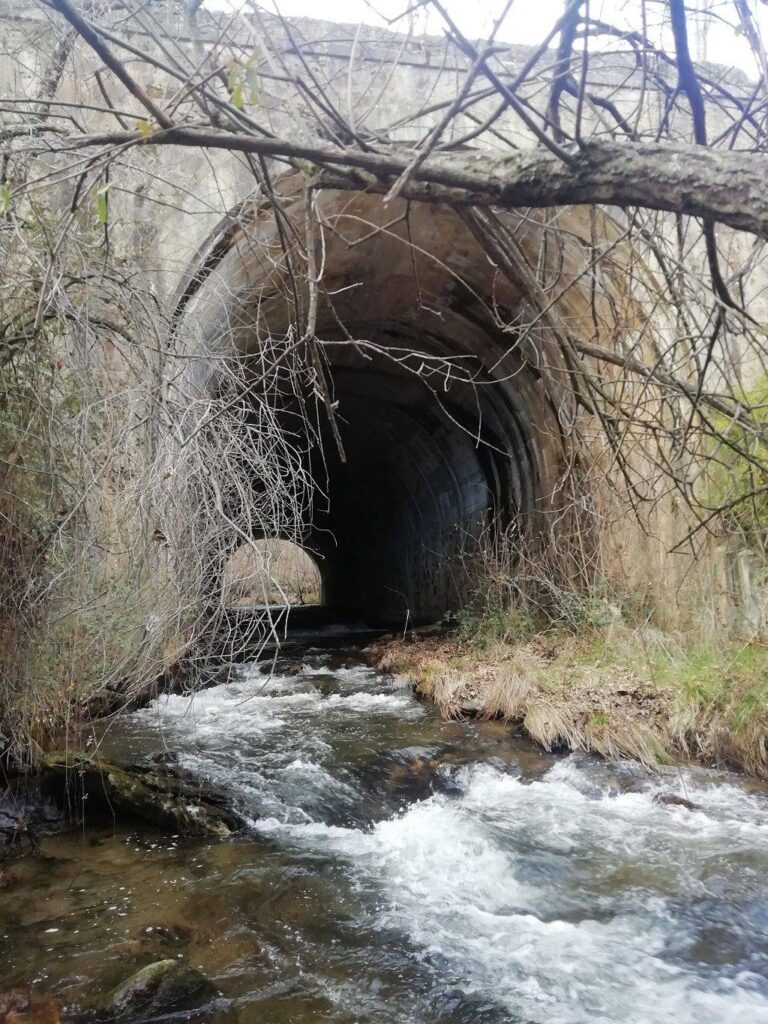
(403, 869)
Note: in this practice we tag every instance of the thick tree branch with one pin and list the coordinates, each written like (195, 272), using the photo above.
(726, 186)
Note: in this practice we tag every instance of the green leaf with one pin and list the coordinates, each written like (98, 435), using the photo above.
(254, 83)
(102, 210)
(5, 197)
(101, 207)
(244, 81)
(237, 95)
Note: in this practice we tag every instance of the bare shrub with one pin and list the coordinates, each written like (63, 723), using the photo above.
(518, 582)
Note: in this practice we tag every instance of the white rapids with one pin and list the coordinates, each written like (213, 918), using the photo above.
(563, 895)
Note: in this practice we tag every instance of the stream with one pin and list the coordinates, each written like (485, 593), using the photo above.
(399, 868)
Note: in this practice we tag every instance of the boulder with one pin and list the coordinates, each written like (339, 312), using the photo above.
(166, 986)
(163, 794)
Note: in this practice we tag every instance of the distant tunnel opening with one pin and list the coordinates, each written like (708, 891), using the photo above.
(271, 571)
(432, 454)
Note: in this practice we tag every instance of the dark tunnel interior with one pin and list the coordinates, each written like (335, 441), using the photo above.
(422, 478)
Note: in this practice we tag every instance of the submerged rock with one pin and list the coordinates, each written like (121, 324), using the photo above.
(163, 987)
(7, 881)
(176, 934)
(673, 800)
(159, 941)
(160, 793)
(14, 1000)
(18, 1007)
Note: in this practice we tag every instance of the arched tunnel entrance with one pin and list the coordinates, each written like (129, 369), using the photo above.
(440, 373)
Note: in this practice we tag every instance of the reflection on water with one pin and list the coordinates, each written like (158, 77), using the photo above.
(402, 869)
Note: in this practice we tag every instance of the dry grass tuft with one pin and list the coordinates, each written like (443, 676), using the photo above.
(506, 695)
(551, 726)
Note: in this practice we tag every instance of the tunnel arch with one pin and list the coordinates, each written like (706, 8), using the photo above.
(431, 457)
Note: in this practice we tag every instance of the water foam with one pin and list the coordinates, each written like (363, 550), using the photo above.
(458, 878)
(572, 898)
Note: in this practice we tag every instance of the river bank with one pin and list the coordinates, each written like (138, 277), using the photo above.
(616, 691)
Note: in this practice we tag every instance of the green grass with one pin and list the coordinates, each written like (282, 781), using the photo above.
(717, 692)
(480, 628)
(707, 696)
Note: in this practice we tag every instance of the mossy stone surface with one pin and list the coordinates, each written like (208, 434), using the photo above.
(161, 987)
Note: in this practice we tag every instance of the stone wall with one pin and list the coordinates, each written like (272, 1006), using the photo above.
(424, 468)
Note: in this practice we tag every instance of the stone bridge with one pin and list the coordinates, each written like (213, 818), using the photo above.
(430, 460)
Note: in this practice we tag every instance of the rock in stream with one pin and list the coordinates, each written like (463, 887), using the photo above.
(163, 987)
(163, 794)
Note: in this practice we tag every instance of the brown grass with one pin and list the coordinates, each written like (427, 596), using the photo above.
(616, 691)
